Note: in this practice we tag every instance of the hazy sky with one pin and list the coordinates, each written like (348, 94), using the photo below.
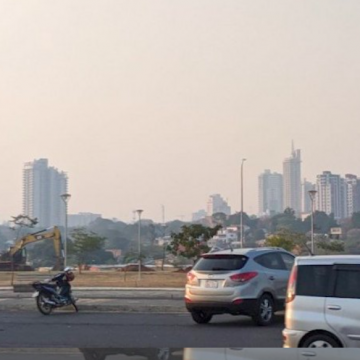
(146, 103)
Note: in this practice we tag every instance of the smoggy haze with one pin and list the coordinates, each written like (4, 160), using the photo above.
(146, 103)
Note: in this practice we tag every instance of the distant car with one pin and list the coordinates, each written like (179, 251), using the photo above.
(323, 303)
(268, 354)
(249, 282)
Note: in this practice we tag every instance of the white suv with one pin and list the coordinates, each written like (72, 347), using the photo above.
(323, 302)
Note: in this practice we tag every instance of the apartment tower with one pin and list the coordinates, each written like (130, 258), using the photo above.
(292, 181)
(42, 187)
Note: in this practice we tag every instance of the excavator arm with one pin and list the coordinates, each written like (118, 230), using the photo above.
(52, 234)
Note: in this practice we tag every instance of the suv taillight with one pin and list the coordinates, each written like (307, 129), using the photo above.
(192, 279)
(291, 289)
(243, 277)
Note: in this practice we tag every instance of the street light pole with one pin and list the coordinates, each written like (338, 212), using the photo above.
(242, 204)
(65, 198)
(139, 241)
(312, 194)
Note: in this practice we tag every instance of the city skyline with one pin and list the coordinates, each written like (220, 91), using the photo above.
(156, 103)
(350, 181)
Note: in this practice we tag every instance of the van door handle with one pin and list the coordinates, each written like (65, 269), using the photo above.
(271, 277)
(334, 307)
(308, 354)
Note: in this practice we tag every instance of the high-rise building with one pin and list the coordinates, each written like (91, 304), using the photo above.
(306, 201)
(216, 204)
(270, 193)
(198, 215)
(82, 219)
(331, 194)
(292, 181)
(352, 195)
(42, 187)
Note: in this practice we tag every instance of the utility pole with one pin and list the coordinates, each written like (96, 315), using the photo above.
(242, 204)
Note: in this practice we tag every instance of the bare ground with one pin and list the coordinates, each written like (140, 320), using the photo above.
(110, 278)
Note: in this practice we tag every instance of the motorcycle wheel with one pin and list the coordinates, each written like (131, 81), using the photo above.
(44, 308)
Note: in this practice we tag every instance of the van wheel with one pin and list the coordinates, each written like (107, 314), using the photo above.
(264, 312)
(201, 317)
(320, 341)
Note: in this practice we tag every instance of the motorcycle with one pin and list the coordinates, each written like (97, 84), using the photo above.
(54, 293)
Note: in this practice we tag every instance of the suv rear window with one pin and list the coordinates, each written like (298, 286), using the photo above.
(220, 263)
(314, 280)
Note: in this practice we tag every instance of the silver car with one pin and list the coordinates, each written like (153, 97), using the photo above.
(249, 282)
(323, 302)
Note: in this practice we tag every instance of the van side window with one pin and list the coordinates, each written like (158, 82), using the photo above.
(348, 282)
(314, 280)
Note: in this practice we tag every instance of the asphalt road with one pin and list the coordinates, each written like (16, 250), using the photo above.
(92, 354)
(138, 330)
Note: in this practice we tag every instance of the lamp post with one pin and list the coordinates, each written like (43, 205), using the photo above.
(312, 194)
(242, 204)
(65, 198)
(139, 241)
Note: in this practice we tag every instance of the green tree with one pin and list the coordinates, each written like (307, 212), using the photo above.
(322, 222)
(286, 221)
(280, 241)
(326, 247)
(219, 218)
(85, 244)
(292, 241)
(191, 242)
(355, 220)
(352, 243)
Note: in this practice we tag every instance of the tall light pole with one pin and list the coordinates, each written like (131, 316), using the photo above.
(312, 194)
(139, 241)
(65, 198)
(242, 204)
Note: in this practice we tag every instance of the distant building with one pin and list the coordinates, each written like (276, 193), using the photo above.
(216, 204)
(352, 195)
(306, 201)
(292, 181)
(270, 193)
(198, 215)
(331, 194)
(82, 219)
(164, 240)
(224, 237)
(42, 187)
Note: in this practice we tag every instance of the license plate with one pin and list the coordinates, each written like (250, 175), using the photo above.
(35, 294)
(211, 284)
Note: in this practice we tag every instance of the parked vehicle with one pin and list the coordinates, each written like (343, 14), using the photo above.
(268, 354)
(249, 282)
(323, 302)
(55, 293)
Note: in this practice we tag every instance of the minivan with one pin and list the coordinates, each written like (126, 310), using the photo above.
(323, 302)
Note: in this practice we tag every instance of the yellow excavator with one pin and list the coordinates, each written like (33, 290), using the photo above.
(15, 258)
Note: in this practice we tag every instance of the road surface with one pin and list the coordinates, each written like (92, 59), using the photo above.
(115, 330)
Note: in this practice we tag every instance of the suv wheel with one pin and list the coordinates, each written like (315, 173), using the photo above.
(264, 312)
(320, 341)
(201, 317)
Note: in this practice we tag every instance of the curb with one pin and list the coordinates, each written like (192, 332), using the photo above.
(86, 308)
